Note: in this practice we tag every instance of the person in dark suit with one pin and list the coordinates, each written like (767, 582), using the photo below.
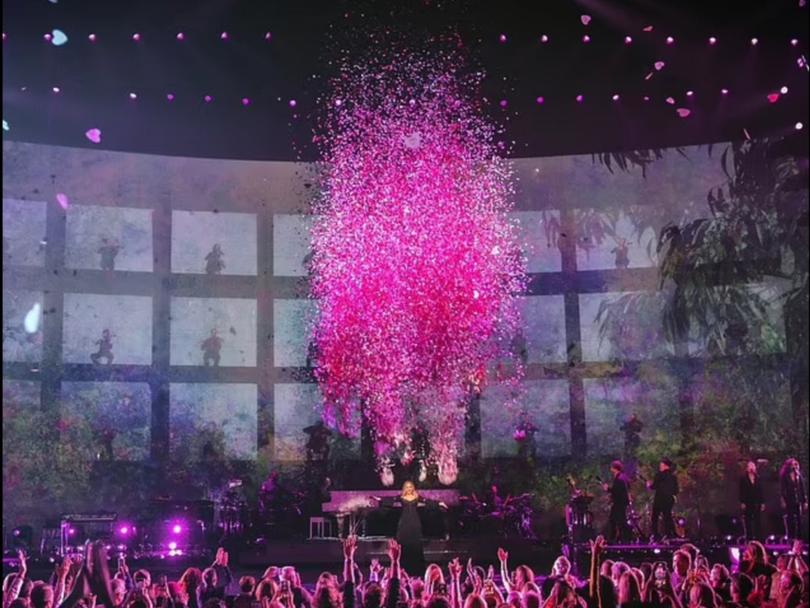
(665, 485)
(752, 501)
(794, 497)
(619, 490)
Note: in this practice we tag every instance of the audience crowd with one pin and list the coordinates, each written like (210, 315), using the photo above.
(690, 582)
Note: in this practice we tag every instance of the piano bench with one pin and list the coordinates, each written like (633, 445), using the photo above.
(320, 527)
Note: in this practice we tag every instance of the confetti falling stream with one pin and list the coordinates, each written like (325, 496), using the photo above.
(416, 266)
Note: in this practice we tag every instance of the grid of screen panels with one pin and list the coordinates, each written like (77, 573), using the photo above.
(171, 298)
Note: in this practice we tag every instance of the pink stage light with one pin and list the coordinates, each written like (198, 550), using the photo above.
(586, 39)
(502, 38)
(540, 100)
(670, 40)
(223, 36)
(136, 37)
(628, 40)
(580, 98)
(616, 97)
(712, 40)
(177, 529)
(180, 36)
(172, 546)
(544, 38)
(92, 37)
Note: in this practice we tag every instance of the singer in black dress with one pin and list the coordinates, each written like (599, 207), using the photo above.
(409, 528)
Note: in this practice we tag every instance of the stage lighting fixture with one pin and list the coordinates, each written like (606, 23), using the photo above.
(799, 126)
(22, 537)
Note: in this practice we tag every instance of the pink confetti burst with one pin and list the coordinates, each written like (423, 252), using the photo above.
(94, 135)
(773, 97)
(411, 301)
(659, 65)
(683, 112)
(585, 19)
(63, 200)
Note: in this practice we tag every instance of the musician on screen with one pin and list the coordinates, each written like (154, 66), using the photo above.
(409, 528)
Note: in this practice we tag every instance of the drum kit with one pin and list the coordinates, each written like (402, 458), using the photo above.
(511, 516)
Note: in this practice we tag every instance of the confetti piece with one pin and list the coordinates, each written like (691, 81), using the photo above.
(412, 141)
(773, 97)
(659, 65)
(31, 321)
(747, 134)
(94, 135)
(647, 28)
(648, 76)
(670, 100)
(585, 19)
(58, 38)
(684, 112)
(63, 200)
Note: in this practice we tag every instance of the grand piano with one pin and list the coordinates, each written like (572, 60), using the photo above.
(357, 511)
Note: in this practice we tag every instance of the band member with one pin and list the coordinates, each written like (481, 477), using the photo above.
(665, 485)
(619, 501)
(794, 497)
(752, 501)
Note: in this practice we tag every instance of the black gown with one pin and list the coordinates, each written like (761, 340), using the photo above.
(409, 534)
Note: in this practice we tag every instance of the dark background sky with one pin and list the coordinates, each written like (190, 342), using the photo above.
(96, 78)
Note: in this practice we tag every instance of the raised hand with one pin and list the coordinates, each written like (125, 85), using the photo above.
(503, 555)
(394, 550)
(349, 547)
(455, 569)
(491, 573)
(23, 563)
